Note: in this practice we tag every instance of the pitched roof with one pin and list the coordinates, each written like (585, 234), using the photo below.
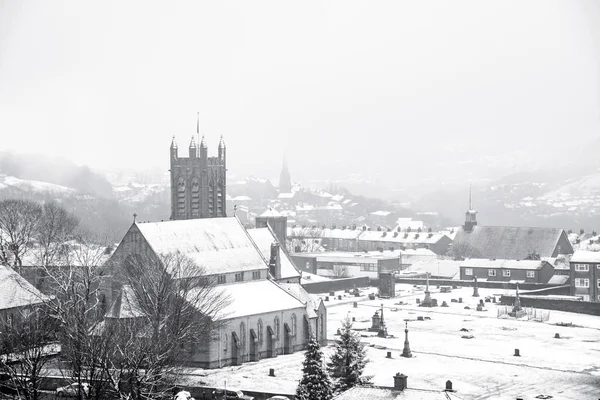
(216, 245)
(509, 242)
(585, 256)
(263, 238)
(254, 297)
(15, 291)
(271, 213)
(401, 237)
(126, 305)
(379, 393)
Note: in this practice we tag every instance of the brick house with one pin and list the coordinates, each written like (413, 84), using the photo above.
(585, 275)
(516, 271)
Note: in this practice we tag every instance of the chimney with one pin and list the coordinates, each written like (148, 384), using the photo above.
(275, 262)
(400, 381)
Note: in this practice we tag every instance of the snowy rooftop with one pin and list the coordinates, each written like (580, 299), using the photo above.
(381, 393)
(381, 213)
(263, 239)
(271, 213)
(585, 256)
(444, 268)
(401, 237)
(266, 297)
(286, 195)
(217, 245)
(15, 291)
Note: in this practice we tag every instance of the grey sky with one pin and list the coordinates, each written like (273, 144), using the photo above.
(360, 85)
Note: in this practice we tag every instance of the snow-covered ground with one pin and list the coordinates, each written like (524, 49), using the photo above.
(483, 367)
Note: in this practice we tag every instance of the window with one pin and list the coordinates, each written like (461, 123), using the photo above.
(531, 274)
(582, 283)
(586, 297)
(276, 327)
(491, 272)
(582, 267)
(260, 331)
(255, 275)
(293, 324)
(239, 277)
(599, 297)
(221, 279)
(506, 272)
(469, 271)
(242, 335)
(598, 283)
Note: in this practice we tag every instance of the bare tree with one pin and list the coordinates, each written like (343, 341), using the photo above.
(27, 340)
(19, 220)
(304, 239)
(341, 271)
(56, 227)
(78, 307)
(176, 308)
(461, 250)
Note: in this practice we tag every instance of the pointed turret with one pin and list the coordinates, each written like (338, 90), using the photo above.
(222, 150)
(173, 149)
(193, 149)
(203, 149)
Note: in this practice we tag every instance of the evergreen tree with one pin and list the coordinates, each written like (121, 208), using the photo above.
(315, 383)
(348, 361)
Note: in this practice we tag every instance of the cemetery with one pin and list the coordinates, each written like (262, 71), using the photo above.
(487, 350)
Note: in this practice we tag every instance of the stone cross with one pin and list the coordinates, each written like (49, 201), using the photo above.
(475, 288)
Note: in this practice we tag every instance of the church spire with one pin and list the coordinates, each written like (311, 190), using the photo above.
(285, 181)
(471, 214)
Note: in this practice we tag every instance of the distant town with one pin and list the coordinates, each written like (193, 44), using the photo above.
(301, 295)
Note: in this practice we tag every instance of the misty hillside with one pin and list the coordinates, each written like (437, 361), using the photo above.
(101, 208)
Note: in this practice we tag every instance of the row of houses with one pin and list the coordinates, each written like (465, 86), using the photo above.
(340, 239)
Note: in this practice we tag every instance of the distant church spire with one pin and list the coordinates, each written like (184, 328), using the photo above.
(470, 197)
(470, 215)
(285, 181)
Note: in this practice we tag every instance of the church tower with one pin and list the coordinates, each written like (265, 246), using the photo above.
(198, 182)
(470, 215)
(285, 181)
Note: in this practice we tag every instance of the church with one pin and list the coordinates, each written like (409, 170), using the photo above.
(508, 242)
(268, 312)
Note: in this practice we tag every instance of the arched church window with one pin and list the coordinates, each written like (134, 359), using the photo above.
(293, 324)
(260, 331)
(277, 327)
(225, 342)
(242, 335)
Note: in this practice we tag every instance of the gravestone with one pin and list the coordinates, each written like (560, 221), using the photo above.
(444, 304)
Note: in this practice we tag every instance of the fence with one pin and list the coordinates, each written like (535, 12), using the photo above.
(548, 288)
(531, 312)
(576, 306)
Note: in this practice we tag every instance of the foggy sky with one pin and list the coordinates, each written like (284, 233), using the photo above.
(338, 86)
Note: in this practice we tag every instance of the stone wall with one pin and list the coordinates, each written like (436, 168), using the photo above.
(336, 284)
(576, 306)
(558, 289)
